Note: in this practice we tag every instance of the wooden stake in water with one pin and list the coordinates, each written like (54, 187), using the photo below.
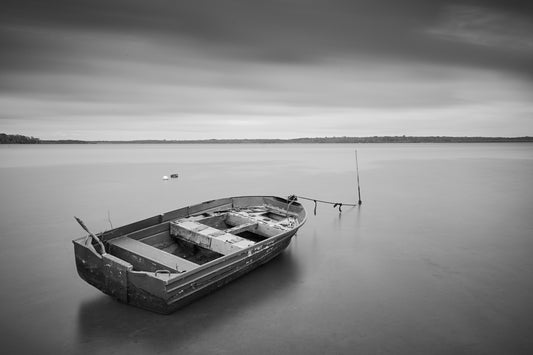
(358, 187)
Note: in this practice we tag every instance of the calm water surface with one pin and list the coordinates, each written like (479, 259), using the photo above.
(437, 260)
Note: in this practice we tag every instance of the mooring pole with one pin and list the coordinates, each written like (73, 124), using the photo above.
(358, 187)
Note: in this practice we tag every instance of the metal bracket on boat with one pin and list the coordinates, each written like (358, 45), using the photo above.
(291, 199)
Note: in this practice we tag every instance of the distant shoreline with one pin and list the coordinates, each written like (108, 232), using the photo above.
(20, 139)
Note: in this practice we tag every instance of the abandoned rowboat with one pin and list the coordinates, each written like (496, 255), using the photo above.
(164, 262)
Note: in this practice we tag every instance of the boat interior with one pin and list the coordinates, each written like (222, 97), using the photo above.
(183, 244)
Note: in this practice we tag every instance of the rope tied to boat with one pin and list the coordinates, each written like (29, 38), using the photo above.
(293, 198)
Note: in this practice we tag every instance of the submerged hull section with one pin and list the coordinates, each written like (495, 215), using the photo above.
(165, 262)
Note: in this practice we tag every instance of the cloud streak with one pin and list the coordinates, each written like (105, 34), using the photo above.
(486, 27)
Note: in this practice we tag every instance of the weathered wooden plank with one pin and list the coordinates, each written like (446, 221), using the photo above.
(145, 257)
(241, 228)
(208, 237)
(186, 231)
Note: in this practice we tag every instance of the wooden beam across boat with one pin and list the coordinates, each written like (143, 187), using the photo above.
(143, 256)
(208, 237)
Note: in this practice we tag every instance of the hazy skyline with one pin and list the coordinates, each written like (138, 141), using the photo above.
(132, 69)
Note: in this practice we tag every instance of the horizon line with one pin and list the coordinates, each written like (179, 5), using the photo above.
(17, 138)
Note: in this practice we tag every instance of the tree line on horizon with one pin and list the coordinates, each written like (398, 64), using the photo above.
(17, 139)
(21, 139)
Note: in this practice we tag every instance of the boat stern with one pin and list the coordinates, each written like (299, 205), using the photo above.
(105, 272)
(116, 278)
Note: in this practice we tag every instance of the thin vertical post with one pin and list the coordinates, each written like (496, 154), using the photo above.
(358, 186)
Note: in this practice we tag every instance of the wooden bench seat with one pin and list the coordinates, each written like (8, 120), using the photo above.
(208, 237)
(148, 258)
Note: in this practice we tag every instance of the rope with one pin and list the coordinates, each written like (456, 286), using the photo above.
(335, 204)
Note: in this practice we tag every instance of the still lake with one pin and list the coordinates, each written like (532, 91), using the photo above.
(437, 260)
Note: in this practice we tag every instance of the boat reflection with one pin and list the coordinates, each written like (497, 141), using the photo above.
(103, 322)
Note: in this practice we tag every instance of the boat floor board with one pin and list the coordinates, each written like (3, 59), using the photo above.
(155, 255)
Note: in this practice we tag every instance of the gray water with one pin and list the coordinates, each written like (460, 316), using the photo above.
(437, 260)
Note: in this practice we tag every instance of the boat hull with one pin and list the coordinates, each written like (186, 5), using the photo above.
(166, 292)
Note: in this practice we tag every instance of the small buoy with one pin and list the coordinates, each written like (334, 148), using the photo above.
(165, 177)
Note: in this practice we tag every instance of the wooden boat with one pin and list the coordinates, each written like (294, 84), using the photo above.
(164, 262)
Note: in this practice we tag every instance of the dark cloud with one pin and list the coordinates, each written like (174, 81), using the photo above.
(275, 30)
(182, 62)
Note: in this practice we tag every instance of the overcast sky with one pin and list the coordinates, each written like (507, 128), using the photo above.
(135, 69)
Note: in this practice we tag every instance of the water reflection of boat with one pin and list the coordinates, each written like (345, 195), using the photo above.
(166, 261)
